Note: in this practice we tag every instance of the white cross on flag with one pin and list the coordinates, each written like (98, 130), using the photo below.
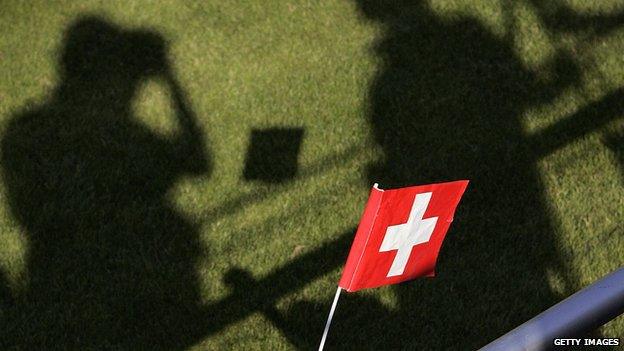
(400, 234)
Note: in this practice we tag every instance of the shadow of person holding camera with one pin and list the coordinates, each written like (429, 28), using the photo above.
(111, 262)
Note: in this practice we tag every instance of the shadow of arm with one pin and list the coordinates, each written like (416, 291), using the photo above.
(251, 295)
(583, 122)
(190, 146)
(565, 20)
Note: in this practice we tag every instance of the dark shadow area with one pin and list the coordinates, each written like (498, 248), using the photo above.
(590, 118)
(447, 104)
(6, 296)
(272, 154)
(615, 142)
(244, 200)
(250, 295)
(110, 261)
(559, 18)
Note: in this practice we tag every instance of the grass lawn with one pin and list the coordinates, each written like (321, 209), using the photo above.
(190, 176)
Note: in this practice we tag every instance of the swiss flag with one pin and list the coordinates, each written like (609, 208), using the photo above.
(400, 234)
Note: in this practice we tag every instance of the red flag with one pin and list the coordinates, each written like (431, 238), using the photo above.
(400, 234)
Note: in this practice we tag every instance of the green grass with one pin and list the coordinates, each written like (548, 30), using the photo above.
(117, 234)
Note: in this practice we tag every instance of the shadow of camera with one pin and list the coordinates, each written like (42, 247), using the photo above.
(272, 155)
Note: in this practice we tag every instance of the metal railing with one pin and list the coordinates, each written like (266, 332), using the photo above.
(580, 313)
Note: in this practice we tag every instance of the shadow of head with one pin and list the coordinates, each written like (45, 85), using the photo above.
(388, 11)
(96, 49)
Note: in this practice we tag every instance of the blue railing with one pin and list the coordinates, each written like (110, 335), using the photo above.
(579, 314)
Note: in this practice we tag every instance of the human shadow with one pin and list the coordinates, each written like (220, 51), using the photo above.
(110, 261)
(446, 104)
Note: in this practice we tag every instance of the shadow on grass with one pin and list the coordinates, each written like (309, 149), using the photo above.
(111, 263)
(615, 142)
(272, 155)
(559, 18)
(6, 296)
(447, 104)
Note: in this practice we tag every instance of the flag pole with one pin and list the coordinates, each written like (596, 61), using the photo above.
(329, 318)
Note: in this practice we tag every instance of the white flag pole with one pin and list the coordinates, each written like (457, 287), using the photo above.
(329, 318)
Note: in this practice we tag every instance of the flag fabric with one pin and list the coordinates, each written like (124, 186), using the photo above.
(400, 234)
